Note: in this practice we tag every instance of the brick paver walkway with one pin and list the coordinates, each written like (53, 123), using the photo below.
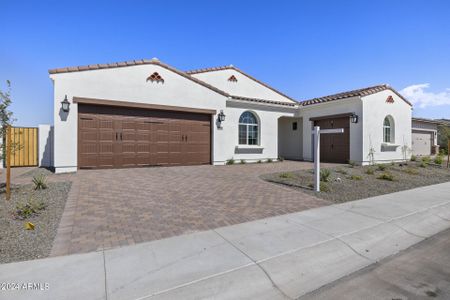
(111, 208)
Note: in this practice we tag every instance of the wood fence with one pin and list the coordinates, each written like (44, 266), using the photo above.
(25, 146)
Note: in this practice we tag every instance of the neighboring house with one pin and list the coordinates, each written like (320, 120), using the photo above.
(147, 113)
(425, 136)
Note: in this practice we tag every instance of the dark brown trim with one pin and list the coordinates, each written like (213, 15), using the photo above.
(95, 101)
(330, 117)
(428, 121)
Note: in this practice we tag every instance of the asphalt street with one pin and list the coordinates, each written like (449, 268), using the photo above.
(419, 272)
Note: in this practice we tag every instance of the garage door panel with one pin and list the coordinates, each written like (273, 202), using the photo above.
(421, 143)
(116, 137)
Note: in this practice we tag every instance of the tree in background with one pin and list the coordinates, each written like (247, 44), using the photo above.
(444, 137)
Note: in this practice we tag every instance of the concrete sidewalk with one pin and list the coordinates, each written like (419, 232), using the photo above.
(282, 257)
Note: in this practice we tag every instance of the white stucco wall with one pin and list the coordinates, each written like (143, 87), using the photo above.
(375, 109)
(129, 84)
(46, 145)
(268, 140)
(290, 142)
(350, 105)
(243, 87)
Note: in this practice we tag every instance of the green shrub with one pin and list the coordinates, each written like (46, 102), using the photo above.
(412, 171)
(355, 177)
(426, 159)
(370, 171)
(40, 182)
(243, 161)
(280, 158)
(324, 187)
(438, 160)
(286, 175)
(28, 209)
(413, 158)
(269, 160)
(352, 163)
(423, 165)
(341, 171)
(381, 167)
(230, 161)
(325, 175)
(259, 161)
(386, 176)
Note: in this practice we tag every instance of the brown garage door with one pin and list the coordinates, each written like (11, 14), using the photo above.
(117, 137)
(334, 147)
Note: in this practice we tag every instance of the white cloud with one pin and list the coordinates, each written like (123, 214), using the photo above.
(419, 97)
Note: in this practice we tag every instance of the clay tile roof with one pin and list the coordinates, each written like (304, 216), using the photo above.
(264, 101)
(355, 93)
(231, 67)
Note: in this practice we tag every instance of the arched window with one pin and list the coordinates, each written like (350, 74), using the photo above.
(248, 129)
(388, 130)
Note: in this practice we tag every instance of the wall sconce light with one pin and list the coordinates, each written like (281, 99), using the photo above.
(221, 116)
(354, 118)
(65, 104)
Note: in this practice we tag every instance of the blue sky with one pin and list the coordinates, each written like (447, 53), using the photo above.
(303, 48)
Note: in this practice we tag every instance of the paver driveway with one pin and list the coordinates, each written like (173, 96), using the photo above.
(110, 208)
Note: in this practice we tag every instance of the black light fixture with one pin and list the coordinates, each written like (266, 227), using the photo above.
(354, 118)
(221, 116)
(65, 104)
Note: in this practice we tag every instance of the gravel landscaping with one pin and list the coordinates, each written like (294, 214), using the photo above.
(347, 183)
(18, 243)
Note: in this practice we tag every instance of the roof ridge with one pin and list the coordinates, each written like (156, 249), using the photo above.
(153, 61)
(361, 92)
(232, 67)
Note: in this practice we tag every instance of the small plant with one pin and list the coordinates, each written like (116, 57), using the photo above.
(386, 176)
(413, 157)
(286, 175)
(280, 158)
(371, 156)
(324, 187)
(438, 160)
(352, 163)
(412, 171)
(259, 161)
(381, 167)
(243, 161)
(341, 171)
(355, 177)
(230, 161)
(40, 182)
(269, 160)
(370, 171)
(28, 209)
(426, 159)
(392, 163)
(423, 165)
(325, 175)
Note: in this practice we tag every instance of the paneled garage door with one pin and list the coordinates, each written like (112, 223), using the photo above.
(421, 142)
(334, 147)
(118, 137)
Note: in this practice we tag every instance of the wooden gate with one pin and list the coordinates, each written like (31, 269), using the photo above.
(25, 146)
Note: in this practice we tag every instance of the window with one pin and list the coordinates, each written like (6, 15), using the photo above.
(388, 130)
(248, 129)
(294, 126)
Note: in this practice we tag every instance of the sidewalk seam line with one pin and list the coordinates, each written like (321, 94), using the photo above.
(257, 264)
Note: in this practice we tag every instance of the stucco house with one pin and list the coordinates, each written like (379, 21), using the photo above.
(147, 113)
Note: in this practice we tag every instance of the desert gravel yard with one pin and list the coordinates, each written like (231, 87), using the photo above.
(347, 182)
(18, 243)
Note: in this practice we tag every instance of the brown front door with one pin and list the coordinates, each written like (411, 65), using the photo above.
(334, 147)
(112, 137)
